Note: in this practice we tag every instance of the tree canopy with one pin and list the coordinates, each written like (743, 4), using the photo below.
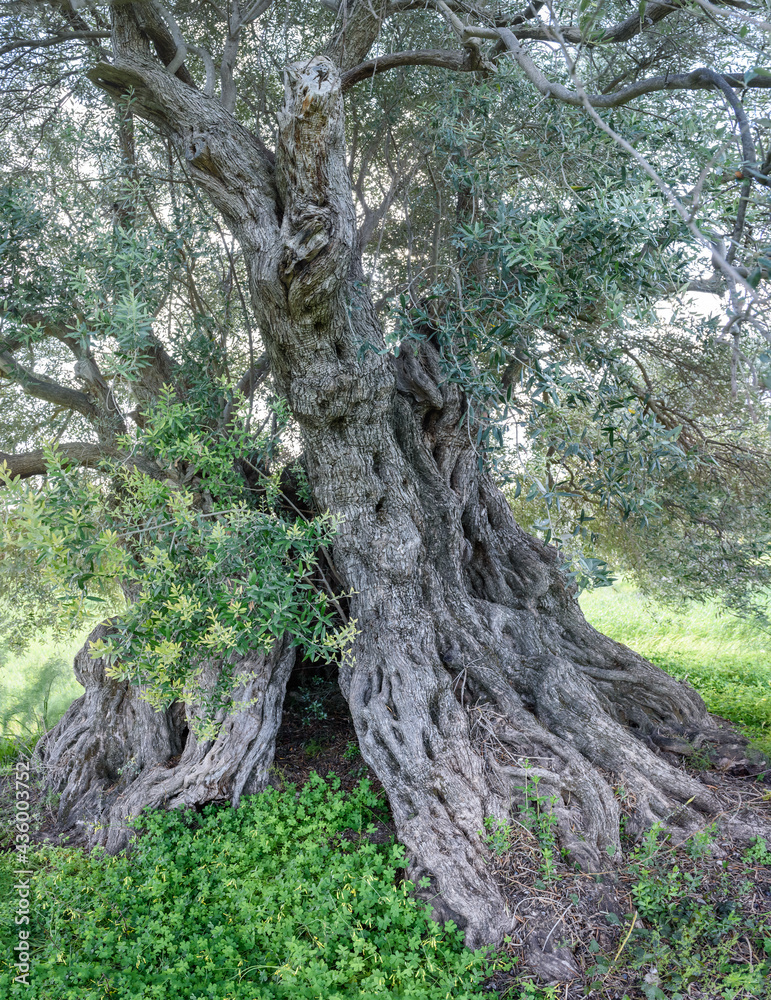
(575, 169)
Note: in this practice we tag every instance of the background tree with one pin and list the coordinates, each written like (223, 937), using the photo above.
(442, 214)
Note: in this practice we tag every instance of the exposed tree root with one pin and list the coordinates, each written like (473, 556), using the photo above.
(111, 755)
(477, 678)
(478, 691)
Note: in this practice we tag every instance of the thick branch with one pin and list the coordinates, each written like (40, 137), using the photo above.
(360, 25)
(623, 32)
(509, 40)
(225, 158)
(255, 376)
(146, 18)
(87, 371)
(46, 389)
(318, 231)
(639, 21)
(157, 370)
(79, 453)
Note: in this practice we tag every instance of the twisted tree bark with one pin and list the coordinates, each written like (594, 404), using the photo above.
(473, 667)
(112, 755)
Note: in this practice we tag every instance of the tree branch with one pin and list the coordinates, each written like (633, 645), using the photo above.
(148, 18)
(255, 376)
(748, 153)
(464, 61)
(359, 26)
(471, 60)
(158, 368)
(78, 453)
(86, 368)
(216, 147)
(318, 230)
(43, 43)
(205, 56)
(698, 79)
(719, 260)
(755, 174)
(623, 32)
(257, 10)
(246, 386)
(46, 389)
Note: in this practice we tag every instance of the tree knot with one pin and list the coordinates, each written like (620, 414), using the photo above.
(198, 154)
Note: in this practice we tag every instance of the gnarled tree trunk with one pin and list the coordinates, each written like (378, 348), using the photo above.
(112, 755)
(473, 668)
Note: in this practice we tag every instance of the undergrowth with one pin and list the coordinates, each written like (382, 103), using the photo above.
(288, 897)
(699, 927)
(697, 923)
(283, 897)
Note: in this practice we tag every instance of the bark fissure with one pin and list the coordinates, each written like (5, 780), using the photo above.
(113, 755)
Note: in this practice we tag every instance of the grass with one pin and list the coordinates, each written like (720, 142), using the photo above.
(36, 688)
(726, 659)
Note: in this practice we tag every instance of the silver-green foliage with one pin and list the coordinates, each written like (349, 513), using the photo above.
(210, 570)
(637, 429)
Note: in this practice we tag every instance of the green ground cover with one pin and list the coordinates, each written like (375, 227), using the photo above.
(285, 897)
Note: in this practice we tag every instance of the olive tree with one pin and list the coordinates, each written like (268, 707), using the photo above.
(410, 209)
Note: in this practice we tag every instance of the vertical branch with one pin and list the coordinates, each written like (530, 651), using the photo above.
(126, 200)
(357, 32)
(318, 231)
(437, 234)
(235, 22)
(138, 24)
(229, 53)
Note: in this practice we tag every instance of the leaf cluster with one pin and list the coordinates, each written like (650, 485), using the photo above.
(211, 571)
(631, 428)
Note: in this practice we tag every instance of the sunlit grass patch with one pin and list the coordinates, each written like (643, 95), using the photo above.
(727, 659)
(37, 686)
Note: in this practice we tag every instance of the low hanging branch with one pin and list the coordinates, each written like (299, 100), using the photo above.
(77, 453)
